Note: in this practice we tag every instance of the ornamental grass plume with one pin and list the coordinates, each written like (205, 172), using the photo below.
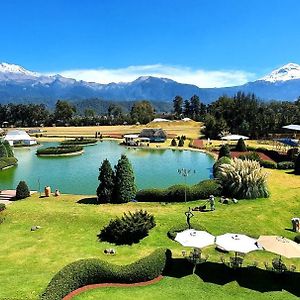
(243, 179)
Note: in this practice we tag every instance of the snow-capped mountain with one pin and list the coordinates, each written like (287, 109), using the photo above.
(287, 72)
(20, 85)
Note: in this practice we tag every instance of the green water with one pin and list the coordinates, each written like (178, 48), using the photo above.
(78, 174)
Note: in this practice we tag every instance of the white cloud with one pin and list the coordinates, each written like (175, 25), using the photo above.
(199, 77)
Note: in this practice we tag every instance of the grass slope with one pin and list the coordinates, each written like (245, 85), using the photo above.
(30, 259)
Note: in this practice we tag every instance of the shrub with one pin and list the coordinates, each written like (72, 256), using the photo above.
(286, 165)
(178, 228)
(268, 164)
(181, 142)
(81, 141)
(22, 191)
(8, 148)
(292, 154)
(175, 193)
(224, 151)
(243, 179)
(173, 143)
(297, 238)
(7, 162)
(2, 207)
(218, 163)
(90, 271)
(297, 165)
(128, 229)
(250, 156)
(241, 146)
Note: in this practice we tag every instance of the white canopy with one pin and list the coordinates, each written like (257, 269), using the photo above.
(237, 243)
(292, 127)
(161, 120)
(234, 137)
(195, 238)
(17, 135)
(131, 136)
(186, 119)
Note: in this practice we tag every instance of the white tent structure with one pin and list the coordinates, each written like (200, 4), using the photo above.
(234, 137)
(160, 120)
(19, 137)
(292, 127)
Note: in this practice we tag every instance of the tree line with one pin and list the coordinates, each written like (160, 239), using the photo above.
(243, 114)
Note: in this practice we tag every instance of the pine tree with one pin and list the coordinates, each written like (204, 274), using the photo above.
(173, 143)
(177, 105)
(106, 186)
(22, 190)
(125, 188)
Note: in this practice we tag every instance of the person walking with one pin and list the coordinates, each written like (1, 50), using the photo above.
(211, 201)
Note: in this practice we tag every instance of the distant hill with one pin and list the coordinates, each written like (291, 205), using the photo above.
(20, 85)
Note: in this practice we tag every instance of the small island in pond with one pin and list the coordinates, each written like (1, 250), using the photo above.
(60, 151)
(80, 141)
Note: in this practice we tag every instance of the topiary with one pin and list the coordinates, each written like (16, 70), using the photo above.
(181, 142)
(286, 165)
(297, 165)
(173, 143)
(22, 191)
(224, 151)
(243, 179)
(128, 229)
(241, 146)
(218, 163)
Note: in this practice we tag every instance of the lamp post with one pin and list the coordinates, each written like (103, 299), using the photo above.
(185, 173)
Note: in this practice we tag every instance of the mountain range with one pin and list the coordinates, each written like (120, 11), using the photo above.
(20, 85)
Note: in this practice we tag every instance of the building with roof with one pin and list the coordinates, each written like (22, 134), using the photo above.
(156, 135)
(19, 138)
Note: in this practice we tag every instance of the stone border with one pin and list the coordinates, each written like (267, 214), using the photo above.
(100, 285)
(61, 154)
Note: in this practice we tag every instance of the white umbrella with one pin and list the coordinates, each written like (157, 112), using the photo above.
(234, 137)
(195, 238)
(292, 127)
(237, 243)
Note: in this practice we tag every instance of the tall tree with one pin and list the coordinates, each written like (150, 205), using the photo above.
(63, 111)
(195, 107)
(106, 186)
(125, 188)
(142, 112)
(187, 108)
(177, 106)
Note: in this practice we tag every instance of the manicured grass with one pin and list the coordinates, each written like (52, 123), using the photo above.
(30, 259)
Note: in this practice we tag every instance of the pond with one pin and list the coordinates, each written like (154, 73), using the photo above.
(79, 174)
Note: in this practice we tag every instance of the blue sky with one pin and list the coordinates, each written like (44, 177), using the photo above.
(207, 42)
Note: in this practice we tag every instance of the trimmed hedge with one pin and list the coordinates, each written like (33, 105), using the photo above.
(7, 161)
(175, 193)
(268, 164)
(59, 150)
(79, 142)
(91, 271)
(286, 165)
(178, 228)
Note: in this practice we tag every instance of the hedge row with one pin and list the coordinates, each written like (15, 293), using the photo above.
(79, 142)
(176, 193)
(91, 271)
(59, 150)
(7, 161)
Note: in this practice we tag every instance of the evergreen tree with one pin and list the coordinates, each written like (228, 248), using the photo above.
(177, 105)
(22, 190)
(173, 143)
(297, 165)
(224, 151)
(195, 107)
(181, 142)
(125, 188)
(187, 108)
(241, 146)
(106, 186)
(142, 112)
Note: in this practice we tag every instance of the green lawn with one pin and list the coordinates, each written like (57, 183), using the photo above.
(28, 260)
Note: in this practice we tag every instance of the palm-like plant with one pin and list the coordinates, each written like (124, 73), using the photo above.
(243, 179)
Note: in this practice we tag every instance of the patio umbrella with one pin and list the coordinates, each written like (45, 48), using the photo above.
(292, 127)
(237, 243)
(234, 137)
(194, 238)
(279, 245)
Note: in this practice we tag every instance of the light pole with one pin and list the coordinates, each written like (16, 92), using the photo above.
(185, 173)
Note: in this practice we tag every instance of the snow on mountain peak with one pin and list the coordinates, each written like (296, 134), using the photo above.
(287, 72)
(16, 69)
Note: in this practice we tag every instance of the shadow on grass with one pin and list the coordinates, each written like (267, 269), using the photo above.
(248, 277)
(91, 200)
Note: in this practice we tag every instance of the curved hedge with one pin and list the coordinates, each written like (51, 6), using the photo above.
(79, 142)
(59, 150)
(91, 271)
(175, 193)
(7, 162)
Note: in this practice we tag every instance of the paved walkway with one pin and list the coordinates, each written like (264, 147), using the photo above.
(99, 285)
(7, 196)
